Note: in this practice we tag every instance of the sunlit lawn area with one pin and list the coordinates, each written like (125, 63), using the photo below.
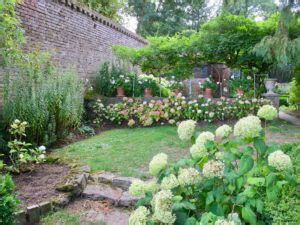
(128, 151)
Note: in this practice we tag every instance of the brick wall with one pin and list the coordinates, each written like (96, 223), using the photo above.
(74, 35)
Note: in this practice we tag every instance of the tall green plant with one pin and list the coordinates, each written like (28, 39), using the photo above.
(48, 98)
(11, 33)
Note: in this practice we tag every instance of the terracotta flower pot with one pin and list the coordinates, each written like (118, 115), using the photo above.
(208, 93)
(177, 91)
(148, 93)
(120, 92)
(239, 92)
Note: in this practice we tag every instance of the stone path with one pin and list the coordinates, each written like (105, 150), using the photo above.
(105, 200)
(290, 118)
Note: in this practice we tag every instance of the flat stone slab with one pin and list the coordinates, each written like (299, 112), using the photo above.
(116, 196)
(123, 182)
(105, 177)
(102, 192)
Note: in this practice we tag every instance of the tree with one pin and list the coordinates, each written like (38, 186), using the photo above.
(249, 8)
(167, 17)
(282, 49)
(108, 8)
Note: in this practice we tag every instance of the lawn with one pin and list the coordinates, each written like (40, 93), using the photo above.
(128, 151)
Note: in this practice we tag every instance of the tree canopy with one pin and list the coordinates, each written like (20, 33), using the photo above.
(228, 39)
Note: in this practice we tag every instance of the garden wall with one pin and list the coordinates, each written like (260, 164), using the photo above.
(75, 36)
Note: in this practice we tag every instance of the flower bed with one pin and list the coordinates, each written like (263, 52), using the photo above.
(136, 112)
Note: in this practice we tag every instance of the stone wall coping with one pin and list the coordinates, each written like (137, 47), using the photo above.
(101, 19)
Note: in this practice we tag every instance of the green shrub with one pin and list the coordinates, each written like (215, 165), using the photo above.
(48, 98)
(8, 200)
(295, 92)
(232, 177)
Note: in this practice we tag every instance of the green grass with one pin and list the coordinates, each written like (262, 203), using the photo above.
(129, 151)
(61, 217)
(126, 151)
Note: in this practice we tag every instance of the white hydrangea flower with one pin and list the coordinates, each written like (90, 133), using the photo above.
(150, 187)
(213, 168)
(162, 207)
(158, 163)
(220, 155)
(205, 136)
(169, 182)
(198, 151)
(223, 131)
(224, 222)
(248, 127)
(137, 188)
(267, 112)
(42, 148)
(279, 160)
(139, 216)
(186, 129)
(188, 176)
(165, 217)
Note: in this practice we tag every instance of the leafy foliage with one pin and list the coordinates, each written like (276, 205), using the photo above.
(11, 33)
(168, 17)
(8, 200)
(108, 8)
(228, 39)
(49, 99)
(234, 182)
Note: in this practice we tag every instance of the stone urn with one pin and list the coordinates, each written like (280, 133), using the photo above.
(148, 93)
(120, 92)
(270, 85)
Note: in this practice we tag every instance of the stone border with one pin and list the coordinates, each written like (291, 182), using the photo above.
(72, 186)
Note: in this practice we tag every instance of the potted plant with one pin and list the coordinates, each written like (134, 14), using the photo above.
(148, 84)
(239, 85)
(119, 83)
(209, 86)
(175, 86)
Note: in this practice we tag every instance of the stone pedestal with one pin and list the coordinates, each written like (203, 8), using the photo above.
(273, 97)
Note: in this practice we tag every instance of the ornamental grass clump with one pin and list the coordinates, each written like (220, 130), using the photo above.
(232, 182)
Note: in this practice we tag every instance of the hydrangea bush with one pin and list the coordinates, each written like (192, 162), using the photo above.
(174, 109)
(229, 178)
(21, 153)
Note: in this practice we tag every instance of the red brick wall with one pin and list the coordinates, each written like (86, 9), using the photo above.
(75, 36)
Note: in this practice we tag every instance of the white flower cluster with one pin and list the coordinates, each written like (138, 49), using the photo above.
(224, 222)
(248, 127)
(204, 137)
(213, 168)
(223, 131)
(279, 160)
(267, 112)
(158, 163)
(186, 129)
(162, 207)
(188, 176)
(169, 182)
(138, 188)
(198, 151)
(139, 216)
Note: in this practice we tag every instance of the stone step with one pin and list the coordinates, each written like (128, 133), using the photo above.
(117, 196)
(115, 180)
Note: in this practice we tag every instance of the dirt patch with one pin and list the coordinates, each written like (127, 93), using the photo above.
(279, 138)
(98, 212)
(39, 185)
